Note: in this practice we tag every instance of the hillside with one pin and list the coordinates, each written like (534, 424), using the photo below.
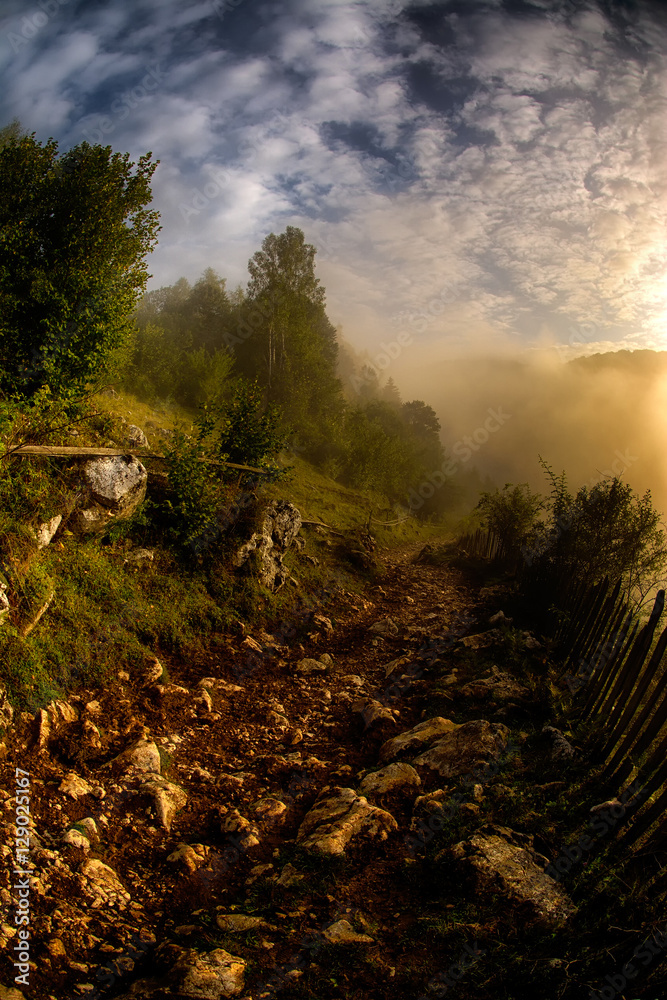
(342, 789)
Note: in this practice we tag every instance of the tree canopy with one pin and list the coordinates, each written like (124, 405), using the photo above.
(74, 233)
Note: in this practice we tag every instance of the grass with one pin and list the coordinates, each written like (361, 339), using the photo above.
(106, 613)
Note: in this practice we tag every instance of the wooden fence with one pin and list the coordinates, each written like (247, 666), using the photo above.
(615, 667)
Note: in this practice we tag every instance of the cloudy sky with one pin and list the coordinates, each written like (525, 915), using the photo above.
(471, 171)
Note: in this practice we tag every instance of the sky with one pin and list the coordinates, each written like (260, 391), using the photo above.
(475, 174)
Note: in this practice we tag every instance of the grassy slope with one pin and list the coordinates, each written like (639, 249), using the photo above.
(106, 613)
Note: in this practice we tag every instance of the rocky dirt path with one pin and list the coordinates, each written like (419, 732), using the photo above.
(223, 835)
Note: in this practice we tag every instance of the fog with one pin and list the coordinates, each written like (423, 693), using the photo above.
(593, 416)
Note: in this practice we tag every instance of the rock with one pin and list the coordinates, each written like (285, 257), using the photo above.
(239, 923)
(499, 618)
(191, 857)
(505, 862)
(169, 798)
(465, 748)
(309, 666)
(393, 778)
(497, 685)
(47, 530)
(139, 557)
(144, 756)
(372, 712)
(384, 627)
(289, 877)
(116, 485)
(4, 602)
(6, 708)
(234, 822)
(339, 815)
(530, 642)
(561, 749)
(90, 827)
(76, 839)
(42, 729)
(482, 640)
(74, 786)
(342, 933)
(417, 737)
(9, 993)
(136, 437)
(209, 976)
(270, 811)
(280, 526)
(152, 672)
(101, 884)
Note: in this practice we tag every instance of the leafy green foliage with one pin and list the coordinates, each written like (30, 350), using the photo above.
(510, 514)
(603, 530)
(251, 431)
(74, 232)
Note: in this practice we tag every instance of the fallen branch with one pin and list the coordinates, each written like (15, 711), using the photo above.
(71, 451)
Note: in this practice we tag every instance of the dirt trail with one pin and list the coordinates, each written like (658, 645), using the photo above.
(282, 735)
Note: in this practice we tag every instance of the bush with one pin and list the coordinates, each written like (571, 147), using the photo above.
(606, 530)
(510, 514)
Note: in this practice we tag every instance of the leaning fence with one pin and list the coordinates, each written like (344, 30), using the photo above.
(614, 664)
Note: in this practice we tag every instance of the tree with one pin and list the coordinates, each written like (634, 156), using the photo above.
(74, 234)
(390, 394)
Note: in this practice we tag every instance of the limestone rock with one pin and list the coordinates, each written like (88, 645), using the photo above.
(234, 822)
(102, 885)
(417, 737)
(384, 627)
(143, 756)
(209, 976)
(136, 437)
(169, 798)
(280, 526)
(561, 749)
(139, 557)
(47, 530)
(76, 839)
(465, 748)
(74, 786)
(4, 602)
(339, 815)
(6, 709)
(238, 923)
(393, 778)
(191, 857)
(116, 485)
(505, 862)
(342, 933)
(497, 685)
(372, 712)
(290, 877)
